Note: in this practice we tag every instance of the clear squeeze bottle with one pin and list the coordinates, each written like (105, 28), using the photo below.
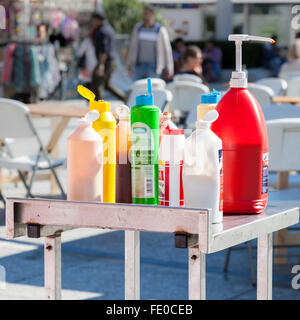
(208, 102)
(105, 126)
(123, 168)
(84, 164)
(242, 128)
(144, 149)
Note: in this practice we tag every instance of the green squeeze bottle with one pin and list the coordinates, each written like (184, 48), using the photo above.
(144, 149)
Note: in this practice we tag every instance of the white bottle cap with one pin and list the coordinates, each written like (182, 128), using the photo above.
(210, 117)
(123, 112)
(89, 118)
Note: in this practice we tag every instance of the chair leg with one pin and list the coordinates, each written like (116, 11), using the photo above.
(2, 198)
(22, 177)
(228, 254)
(227, 260)
(58, 183)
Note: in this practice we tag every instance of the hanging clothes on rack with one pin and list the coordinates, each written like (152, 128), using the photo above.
(49, 70)
(31, 67)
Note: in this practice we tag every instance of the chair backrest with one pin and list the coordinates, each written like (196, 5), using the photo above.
(278, 85)
(187, 77)
(14, 120)
(284, 144)
(293, 89)
(160, 96)
(185, 93)
(141, 84)
(281, 111)
(263, 94)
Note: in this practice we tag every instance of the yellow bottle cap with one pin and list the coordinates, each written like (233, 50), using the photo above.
(100, 105)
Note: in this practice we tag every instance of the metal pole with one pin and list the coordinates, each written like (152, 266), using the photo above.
(264, 267)
(52, 267)
(197, 274)
(132, 265)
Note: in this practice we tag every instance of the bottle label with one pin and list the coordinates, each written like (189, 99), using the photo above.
(221, 181)
(170, 184)
(265, 173)
(142, 161)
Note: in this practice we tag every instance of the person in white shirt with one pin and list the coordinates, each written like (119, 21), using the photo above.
(87, 55)
(292, 67)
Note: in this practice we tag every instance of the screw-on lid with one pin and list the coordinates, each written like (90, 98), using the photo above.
(211, 98)
(146, 99)
(123, 112)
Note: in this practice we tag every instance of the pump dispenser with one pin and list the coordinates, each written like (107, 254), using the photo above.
(84, 165)
(105, 126)
(242, 129)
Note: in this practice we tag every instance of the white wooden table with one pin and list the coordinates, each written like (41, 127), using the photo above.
(193, 229)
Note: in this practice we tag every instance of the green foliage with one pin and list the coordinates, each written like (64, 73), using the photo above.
(124, 14)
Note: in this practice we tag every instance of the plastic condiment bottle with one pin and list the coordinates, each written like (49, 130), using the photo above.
(165, 122)
(170, 168)
(144, 149)
(202, 169)
(84, 164)
(208, 102)
(242, 128)
(105, 126)
(123, 168)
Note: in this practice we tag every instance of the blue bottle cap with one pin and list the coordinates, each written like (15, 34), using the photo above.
(213, 97)
(145, 99)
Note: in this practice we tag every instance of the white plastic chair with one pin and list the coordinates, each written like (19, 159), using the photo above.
(16, 123)
(278, 85)
(161, 97)
(141, 84)
(263, 94)
(293, 89)
(185, 93)
(187, 77)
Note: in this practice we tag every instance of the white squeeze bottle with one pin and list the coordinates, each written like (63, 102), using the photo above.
(85, 161)
(202, 169)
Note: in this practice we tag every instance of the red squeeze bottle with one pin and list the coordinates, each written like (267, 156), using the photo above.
(242, 129)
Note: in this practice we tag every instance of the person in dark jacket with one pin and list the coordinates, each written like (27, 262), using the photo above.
(103, 37)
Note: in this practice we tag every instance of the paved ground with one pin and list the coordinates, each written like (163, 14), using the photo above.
(93, 262)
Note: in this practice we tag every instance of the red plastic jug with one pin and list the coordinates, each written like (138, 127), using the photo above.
(242, 129)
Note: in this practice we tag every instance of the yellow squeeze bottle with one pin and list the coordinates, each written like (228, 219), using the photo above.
(105, 126)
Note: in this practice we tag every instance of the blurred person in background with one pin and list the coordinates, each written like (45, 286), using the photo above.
(150, 52)
(271, 57)
(292, 67)
(87, 60)
(103, 38)
(192, 62)
(179, 48)
(212, 61)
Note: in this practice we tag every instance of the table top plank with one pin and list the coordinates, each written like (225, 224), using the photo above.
(285, 99)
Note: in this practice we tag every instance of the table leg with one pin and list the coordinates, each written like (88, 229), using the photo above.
(197, 274)
(57, 128)
(132, 265)
(52, 266)
(264, 267)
